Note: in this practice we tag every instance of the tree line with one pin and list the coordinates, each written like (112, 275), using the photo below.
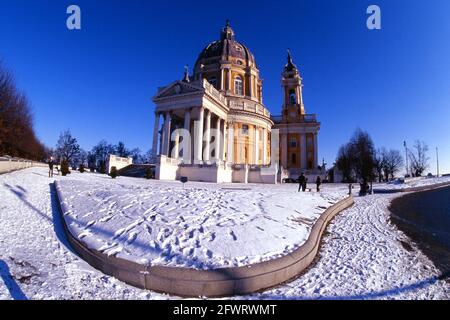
(68, 149)
(359, 160)
(17, 135)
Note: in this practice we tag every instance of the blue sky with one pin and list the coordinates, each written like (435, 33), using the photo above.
(98, 82)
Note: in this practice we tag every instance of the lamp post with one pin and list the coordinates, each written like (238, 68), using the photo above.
(437, 161)
(406, 157)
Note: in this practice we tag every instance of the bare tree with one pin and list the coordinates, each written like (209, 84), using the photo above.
(344, 162)
(392, 163)
(363, 152)
(379, 163)
(17, 136)
(81, 158)
(418, 158)
(100, 153)
(122, 151)
(358, 157)
(67, 147)
(151, 156)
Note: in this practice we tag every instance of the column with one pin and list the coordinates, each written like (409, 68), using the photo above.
(187, 127)
(161, 139)
(223, 125)
(156, 134)
(230, 143)
(264, 160)
(176, 147)
(168, 130)
(284, 151)
(198, 136)
(222, 79)
(316, 151)
(218, 140)
(303, 150)
(207, 153)
(256, 151)
(229, 79)
(166, 134)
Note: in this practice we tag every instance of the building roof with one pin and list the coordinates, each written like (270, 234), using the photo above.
(225, 49)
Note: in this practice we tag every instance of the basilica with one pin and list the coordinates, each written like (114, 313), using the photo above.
(212, 125)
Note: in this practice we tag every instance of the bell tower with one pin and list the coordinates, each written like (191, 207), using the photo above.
(291, 82)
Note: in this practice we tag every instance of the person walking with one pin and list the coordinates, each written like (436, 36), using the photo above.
(318, 183)
(50, 168)
(304, 184)
(301, 182)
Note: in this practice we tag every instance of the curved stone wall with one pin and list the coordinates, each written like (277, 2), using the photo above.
(211, 283)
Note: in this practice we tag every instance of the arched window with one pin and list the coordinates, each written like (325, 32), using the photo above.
(292, 97)
(238, 86)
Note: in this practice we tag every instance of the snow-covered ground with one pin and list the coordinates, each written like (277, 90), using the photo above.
(411, 183)
(202, 225)
(362, 255)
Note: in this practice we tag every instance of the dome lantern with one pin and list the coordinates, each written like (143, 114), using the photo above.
(227, 32)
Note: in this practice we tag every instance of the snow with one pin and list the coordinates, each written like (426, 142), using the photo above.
(362, 256)
(411, 183)
(36, 261)
(201, 226)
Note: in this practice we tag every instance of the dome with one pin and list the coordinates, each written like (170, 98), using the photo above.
(226, 49)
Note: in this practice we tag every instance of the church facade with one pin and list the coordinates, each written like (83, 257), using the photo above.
(213, 125)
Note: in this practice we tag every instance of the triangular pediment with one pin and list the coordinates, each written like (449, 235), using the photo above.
(178, 88)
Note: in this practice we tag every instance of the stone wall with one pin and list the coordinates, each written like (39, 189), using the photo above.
(11, 164)
(118, 162)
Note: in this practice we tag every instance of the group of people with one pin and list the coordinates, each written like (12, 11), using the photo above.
(302, 181)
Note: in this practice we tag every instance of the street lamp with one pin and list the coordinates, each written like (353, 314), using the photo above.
(437, 161)
(406, 157)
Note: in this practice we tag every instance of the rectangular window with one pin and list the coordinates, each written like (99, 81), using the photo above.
(294, 158)
(294, 143)
(238, 86)
(245, 129)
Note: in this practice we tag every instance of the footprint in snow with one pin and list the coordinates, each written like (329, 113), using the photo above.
(119, 232)
(106, 218)
(128, 206)
(132, 237)
(152, 208)
(88, 214)
(90, 223)
(209, 253)
(148, 228)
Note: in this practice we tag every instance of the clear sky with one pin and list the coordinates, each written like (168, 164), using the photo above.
(98, 82)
